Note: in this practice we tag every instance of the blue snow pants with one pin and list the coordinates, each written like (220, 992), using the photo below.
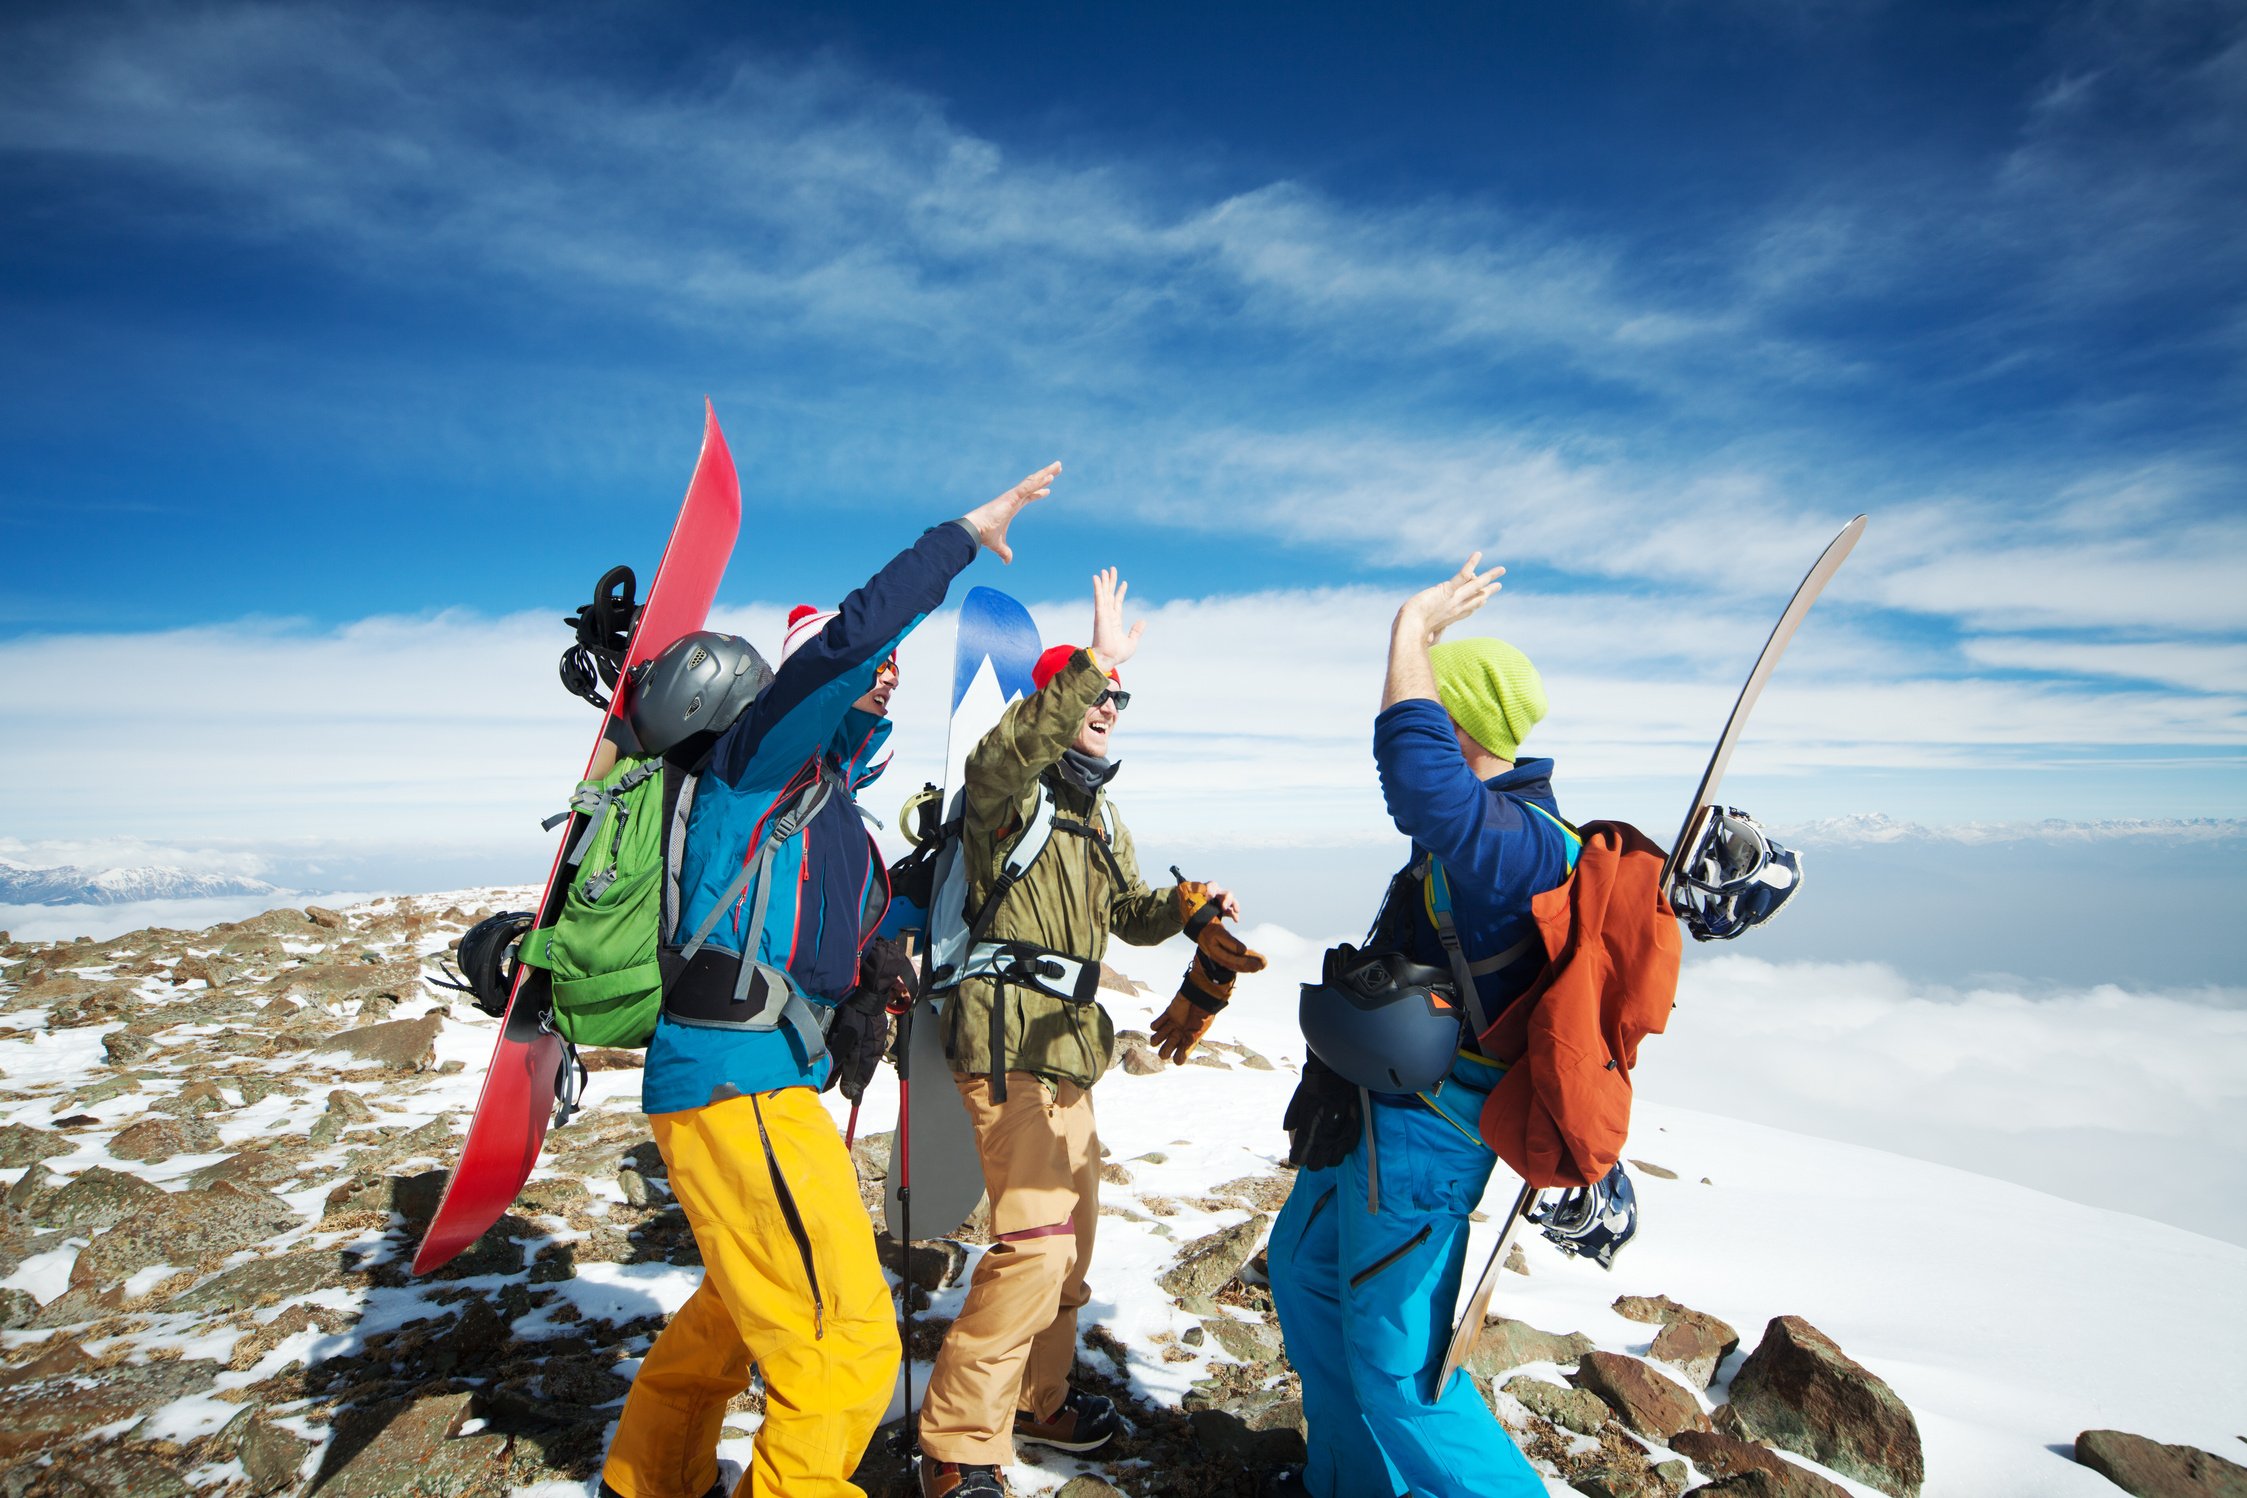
(1365, 1289)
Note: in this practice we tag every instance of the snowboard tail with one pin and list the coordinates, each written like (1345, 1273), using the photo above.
(525, 1074)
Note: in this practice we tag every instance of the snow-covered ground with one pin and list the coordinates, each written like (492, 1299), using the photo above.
(2007, 1319)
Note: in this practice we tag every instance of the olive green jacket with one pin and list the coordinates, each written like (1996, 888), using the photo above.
(1068, 901)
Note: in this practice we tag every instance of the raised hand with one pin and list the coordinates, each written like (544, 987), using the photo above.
(1110, 641)
(1434, 610)
(992, 518)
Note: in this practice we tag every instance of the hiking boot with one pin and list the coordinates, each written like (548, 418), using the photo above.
(1085, 1422)
(729, 1478)
(951, 1480)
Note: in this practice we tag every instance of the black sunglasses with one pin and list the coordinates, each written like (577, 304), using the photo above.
(1117, 695)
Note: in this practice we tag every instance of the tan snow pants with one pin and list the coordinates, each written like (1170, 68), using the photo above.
(1015, 1339)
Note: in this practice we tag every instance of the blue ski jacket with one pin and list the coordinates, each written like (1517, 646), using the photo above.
(827, 886)
(1501, 841)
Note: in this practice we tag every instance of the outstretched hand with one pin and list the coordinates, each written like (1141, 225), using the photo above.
(992, 518)
(1110, 641)
(1434, 610)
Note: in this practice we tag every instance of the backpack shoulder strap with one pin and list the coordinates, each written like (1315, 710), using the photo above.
(787, 817)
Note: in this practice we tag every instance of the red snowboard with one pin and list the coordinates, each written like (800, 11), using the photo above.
(526, 1066)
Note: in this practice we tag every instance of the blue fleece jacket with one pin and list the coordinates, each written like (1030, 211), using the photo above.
(828, 887)
(1496, 851)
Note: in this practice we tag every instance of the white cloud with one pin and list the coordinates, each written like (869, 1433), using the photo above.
(2106, 1095)
(1251, 723)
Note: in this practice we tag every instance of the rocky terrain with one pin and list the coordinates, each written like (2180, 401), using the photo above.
(220, 1147)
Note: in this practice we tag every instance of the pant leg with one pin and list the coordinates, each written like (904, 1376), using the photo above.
(666, 1444)
(1307, 1291)
(1053, 1352)
(1403, 1265)
(821, 1332)
(1028, 1147)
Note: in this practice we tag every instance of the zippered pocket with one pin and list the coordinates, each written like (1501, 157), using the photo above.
(795, 1221)
(1359, 1279)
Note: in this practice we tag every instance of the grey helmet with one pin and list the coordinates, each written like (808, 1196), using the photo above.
(699, 683)
(1382, 1021)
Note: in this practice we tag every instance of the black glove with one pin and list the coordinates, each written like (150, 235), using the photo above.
(859, 1036)
(1322, 1120)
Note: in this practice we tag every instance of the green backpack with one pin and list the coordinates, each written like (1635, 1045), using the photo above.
(601, 950)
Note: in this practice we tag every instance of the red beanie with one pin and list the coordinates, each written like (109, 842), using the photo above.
(1049, 666)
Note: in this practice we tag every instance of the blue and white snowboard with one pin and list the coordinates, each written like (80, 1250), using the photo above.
(934, 1146)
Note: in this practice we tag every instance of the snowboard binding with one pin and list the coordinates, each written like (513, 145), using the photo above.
(604, 634)
(1733, 875)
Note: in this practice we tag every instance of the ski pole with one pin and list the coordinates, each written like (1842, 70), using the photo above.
(901, 1158)
(850, 1130)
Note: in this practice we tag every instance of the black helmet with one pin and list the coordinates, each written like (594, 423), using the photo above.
(1733, 876)
(699, 683)
(1383, 1021)
(488, 962)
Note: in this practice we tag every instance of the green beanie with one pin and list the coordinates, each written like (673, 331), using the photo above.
(1491, 690)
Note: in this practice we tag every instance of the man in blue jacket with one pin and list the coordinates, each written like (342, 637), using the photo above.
(1367, 1254)
(779, 885)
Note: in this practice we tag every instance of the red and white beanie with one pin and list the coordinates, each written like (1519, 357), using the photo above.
(804, 622)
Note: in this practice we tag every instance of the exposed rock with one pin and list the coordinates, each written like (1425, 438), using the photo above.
(1249, 1341)
(194, 1099)
(182, 1228)
(1136, 1058)
(1660, 1310)
(320, 915)
(1261, 1430)
(392, 1451)
(413, 1197)
(158, 1137)
(52, 1406)
(1694, 1344)
(348, 1106)
(1516, 1262)
(1579, 1410)
(32, 1190)
(1799, 1391)
(17, 1307)
(27, 1144)
(99, 1198)
(397, 1045)
(937, 1262)
(1205, 1264)
(1506, 1344)
(1721, 1455)
(262, 1282)
(2149, 1469)
(1653, 1170)
(214, 971)
(260, 1165)
(1088, 1486)
(1643, 1399)
(271, 1455)
(1785, 1481)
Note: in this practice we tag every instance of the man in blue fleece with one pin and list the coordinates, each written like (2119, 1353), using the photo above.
(779, 884)
(1367, 1254)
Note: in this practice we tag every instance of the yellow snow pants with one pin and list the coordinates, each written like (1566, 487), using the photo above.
(791, 1284)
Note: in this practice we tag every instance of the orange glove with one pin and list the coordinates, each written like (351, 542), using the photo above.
(1204, 923)
(1185, 1022)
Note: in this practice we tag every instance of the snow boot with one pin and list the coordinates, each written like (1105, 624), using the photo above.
(951, 1480)
(1085, 1422)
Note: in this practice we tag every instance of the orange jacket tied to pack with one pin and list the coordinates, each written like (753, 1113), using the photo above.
(1560, 1114)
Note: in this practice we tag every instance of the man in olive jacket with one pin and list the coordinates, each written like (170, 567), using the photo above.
(1003, 1372)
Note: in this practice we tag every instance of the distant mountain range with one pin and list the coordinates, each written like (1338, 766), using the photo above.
(67, 884)
(1874, 827)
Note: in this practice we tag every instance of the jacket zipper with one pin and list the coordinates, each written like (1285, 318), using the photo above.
(1390, 1257)
(795, 1222)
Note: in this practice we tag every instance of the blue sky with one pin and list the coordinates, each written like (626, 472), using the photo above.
(332, 330)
